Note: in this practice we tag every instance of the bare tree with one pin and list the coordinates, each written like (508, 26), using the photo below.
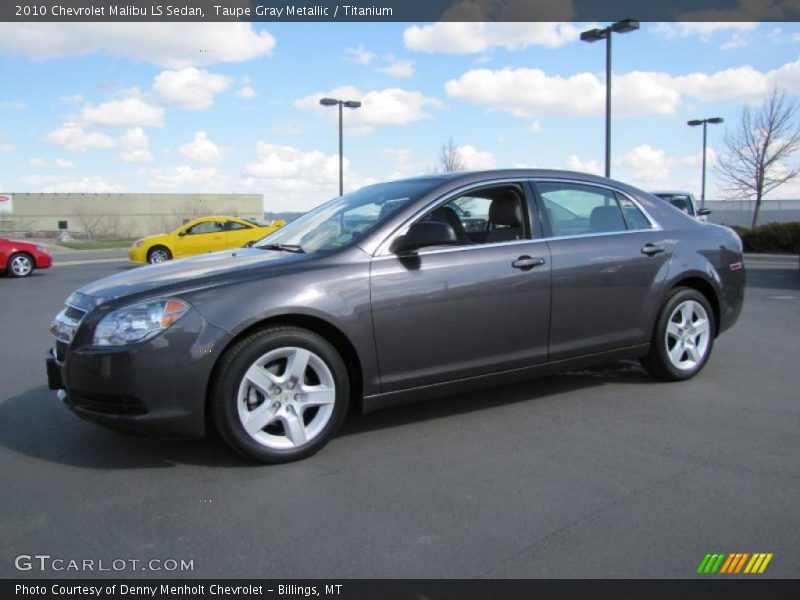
(450, 159)
(752, 163)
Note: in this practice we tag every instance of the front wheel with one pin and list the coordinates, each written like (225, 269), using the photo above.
(20, 265)
(683, 337)
(280, 395)
(158, 254)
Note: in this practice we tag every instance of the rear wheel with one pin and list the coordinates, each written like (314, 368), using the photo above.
(20, 265)
(158, 254)
(281, 394)
(683, 337)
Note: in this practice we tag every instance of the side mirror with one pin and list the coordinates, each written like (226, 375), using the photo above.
(181, 233)
(703, 212)
(425, 233)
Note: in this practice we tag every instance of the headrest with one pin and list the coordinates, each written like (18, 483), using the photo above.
(506, 210)
(607, 218)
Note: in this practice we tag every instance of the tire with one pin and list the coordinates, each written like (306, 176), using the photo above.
(20, 265)
(279, 394)
(158, 254)
(683, 337)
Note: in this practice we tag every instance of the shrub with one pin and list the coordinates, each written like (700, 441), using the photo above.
(771, 237)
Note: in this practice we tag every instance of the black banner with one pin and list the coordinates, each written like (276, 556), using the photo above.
(398, 10)
(348, 589)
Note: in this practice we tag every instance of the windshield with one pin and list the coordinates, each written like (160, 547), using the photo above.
(680, 201)
(342, 221)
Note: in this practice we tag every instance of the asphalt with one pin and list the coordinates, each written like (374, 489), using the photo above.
(598, 473)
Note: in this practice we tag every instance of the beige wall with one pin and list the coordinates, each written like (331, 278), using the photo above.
(122, 215)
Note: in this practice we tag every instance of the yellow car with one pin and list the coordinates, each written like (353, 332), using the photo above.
(207, 234)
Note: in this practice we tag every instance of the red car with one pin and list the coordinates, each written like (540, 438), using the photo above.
(19, 259)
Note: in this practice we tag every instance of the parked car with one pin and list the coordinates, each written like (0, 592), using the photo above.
(199, 236)
(19, 259)
(686, 202)
(383, 296)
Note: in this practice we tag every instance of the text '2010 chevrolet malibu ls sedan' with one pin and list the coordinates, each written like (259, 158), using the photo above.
(398, 291)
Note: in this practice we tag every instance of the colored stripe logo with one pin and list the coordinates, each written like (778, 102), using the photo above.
(734, 563)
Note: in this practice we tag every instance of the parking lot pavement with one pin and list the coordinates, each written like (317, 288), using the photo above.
(598, 473)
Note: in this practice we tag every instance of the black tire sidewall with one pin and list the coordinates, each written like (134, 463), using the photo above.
(10, 271)
(225, 394)
(659, 348)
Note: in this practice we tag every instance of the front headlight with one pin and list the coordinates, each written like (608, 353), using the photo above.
(138, 243)
(138, 322)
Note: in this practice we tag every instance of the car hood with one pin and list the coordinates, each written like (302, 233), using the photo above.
(204, 270)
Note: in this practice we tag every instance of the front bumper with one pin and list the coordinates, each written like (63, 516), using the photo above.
(138, 255)
(155, 388)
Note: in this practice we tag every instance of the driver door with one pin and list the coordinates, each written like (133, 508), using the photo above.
(206, 236)
(446, 313)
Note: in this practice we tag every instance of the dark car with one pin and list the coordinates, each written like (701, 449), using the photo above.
(19, 259)
(384, 295)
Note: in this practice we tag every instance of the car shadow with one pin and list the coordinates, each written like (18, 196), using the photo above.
(35, 424)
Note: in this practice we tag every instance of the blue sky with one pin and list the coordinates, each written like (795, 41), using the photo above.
(221, 107)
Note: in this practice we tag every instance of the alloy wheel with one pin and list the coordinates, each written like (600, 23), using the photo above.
(21, 265)
(286, 398)
(687, 335)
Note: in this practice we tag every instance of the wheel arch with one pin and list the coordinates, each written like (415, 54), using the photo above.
(321, 327)
(705, 287)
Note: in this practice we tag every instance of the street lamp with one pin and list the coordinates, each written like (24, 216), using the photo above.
(349, 104)
(595, 35)
(704, 123)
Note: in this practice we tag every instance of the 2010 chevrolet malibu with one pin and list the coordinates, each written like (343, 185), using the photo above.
(398, 291)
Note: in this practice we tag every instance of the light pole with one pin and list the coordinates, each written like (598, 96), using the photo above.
(340, 103)
(704, 123)
(595, 35)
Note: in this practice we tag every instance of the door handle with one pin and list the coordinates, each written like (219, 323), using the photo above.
(526, 263)
(652, 249)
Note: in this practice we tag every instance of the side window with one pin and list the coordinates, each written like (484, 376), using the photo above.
(575, 209)
(634, 217)
(235, 226)
(485, 216)
(205, 227)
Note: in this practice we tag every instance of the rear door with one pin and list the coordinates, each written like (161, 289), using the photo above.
(609, 262)
(238, 233)
(479, 307)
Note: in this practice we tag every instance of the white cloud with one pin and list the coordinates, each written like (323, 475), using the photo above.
(185, 178)
(96, 185)
(575, 163)
(648, 163)
(476, 37)
(40, 163)
(403, 162)
(132, 110)
(5, 146)
(37, 162)
(396, 67)
(201, 149)
(189, 88)
(63, 163)
(700, 29)
(172, 45)
(287, 129)
(536, 127)
(293, 179)
(391, 106)
(72, 136)
(473, 159)
(135, 146)
(531, 93)
(246, 93)
(359, 55)
(73, 99)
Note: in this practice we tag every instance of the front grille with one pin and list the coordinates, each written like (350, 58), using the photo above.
(64, 327)
(108, 404)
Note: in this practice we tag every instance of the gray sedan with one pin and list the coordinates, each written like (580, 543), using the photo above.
(399, 291)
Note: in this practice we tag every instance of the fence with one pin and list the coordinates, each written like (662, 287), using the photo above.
(740, 212)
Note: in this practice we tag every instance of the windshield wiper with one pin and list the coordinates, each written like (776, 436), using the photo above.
(284, 248)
